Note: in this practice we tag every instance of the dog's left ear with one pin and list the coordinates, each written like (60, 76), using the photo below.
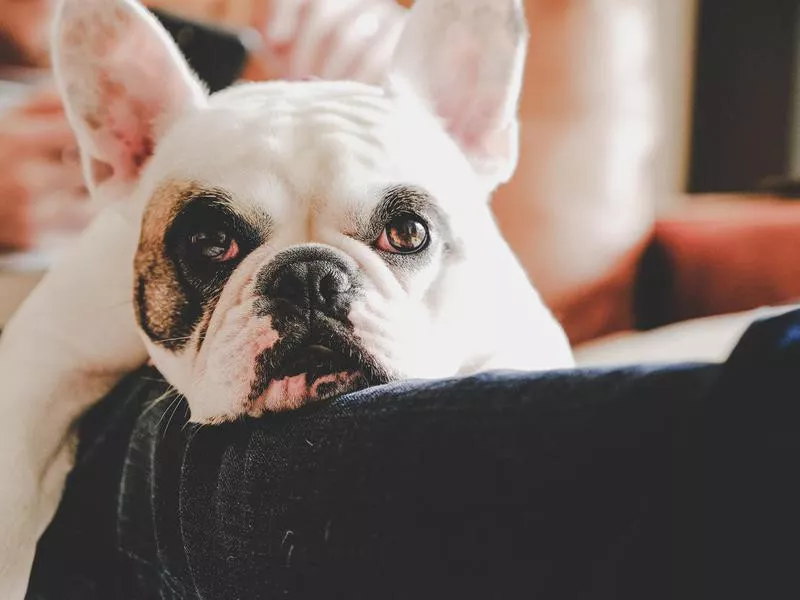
(123, 82)
(464, 59)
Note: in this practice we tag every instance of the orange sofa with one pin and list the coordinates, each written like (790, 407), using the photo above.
(718, 255)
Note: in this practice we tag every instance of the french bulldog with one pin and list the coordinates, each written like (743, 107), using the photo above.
(272, 244)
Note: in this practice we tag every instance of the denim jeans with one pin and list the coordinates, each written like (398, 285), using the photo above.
(637, 483)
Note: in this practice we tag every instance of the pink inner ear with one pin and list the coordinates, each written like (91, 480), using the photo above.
(464, 99)
(474, 124)
(123, 127)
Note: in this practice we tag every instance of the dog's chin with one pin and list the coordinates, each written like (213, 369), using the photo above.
(293, 374)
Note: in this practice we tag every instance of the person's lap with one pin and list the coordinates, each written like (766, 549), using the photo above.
(656, 483)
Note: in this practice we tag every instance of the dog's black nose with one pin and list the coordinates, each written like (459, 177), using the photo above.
(314, 284)
(311, 278)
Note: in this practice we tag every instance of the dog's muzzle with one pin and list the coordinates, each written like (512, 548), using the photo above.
(307, 292)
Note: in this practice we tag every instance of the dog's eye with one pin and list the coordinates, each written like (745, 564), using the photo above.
(405, 234)
(215, 246)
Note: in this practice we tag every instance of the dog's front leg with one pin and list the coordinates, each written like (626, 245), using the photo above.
(67, 346)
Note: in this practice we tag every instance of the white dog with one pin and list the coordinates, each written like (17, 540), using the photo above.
(282, 242)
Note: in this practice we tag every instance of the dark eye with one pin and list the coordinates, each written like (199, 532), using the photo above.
(405, 234)
(216, 246)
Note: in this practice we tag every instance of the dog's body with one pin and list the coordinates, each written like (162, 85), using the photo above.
(282, 242)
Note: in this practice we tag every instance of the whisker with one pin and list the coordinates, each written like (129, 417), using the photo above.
(188, 423)
(160, 399)
(195, 432)
(169, 421)
(172, 405)
(175, 339)
(178, 339)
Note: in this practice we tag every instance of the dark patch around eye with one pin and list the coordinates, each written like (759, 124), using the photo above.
(170, 306)
(209, 213)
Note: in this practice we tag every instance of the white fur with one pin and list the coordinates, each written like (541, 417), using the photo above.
(311, 155)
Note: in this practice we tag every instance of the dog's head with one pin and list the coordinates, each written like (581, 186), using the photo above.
(300, 240)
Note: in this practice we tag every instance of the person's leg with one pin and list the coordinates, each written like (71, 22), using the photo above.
(561, 485)
(661, 483)
(747, 469)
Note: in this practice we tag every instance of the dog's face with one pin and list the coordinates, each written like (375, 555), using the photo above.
(302, 240)
(309, 254)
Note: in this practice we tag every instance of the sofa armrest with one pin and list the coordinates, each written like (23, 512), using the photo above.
(604, 305)
(718, 255)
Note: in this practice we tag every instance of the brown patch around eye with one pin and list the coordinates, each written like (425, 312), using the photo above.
(167, 309)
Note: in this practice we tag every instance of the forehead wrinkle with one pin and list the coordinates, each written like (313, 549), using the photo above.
(270, 110)
(320, 144)
(339, 163)
(324, 111)
(304, 154)
(278, 96)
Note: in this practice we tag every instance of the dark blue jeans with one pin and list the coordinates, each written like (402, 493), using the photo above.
(628, 484)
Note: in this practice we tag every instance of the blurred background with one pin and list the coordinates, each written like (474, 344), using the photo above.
(659, 164)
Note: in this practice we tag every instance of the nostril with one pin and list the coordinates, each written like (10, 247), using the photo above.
(332, 284)
(290, 285)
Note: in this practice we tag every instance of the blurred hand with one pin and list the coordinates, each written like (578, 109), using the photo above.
(347, 39)
(330, 39)
(41, 185)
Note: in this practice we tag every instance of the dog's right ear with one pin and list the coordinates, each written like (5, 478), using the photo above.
(123, 82)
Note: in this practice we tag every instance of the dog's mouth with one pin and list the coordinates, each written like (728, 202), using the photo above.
(316, 360)
(314, 367)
